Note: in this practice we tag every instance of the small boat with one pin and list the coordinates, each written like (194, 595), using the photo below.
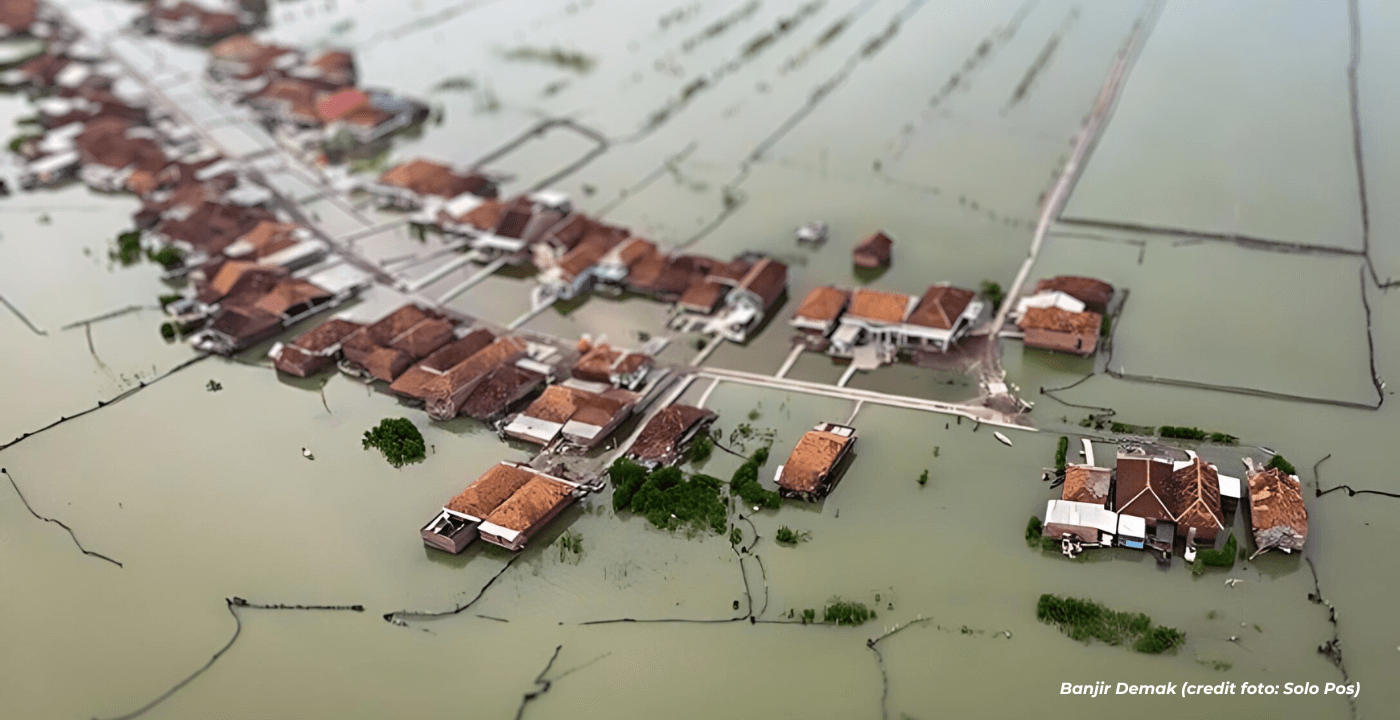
(1190, 553)
(1267, 450)
(1004, 439)
(307, 454)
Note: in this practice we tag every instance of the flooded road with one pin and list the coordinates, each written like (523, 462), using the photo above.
(941, 123)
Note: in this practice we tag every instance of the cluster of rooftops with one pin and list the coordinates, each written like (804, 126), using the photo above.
(1151, 500)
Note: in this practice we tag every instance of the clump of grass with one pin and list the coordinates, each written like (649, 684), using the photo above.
(169, 298)
(846, 612)
(556, 56)
(1061, 452)
(1219, 665)
(167, 257)
(923, 478)
(1287, 467)
(398, 439)
(788, 536)
(128, 249)
(809, 616)
(570, 544)
(1086, 620)
(736, 535)
(745, 483)
(994, 294)
(1033, 531)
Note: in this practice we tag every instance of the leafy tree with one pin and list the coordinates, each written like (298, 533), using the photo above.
(398, 440)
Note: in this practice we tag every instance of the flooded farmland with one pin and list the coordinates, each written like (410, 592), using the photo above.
(725, 126)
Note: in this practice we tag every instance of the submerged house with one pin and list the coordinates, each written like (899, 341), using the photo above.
(1053, 328)
(258, 306)
(666, 436)
(603, 363)
(1276, 510)
(1175, 500)
(314, 350)
(1086, 484)
(750, 301)
(891, 321)
(819, 312)
(579, 416)
(873, 252)
(384, 349)
(810, 471)
(502, 388)
(1095, 294)
(411, 185)
(1195, 501)
(1087, 523)
(507, 505)
(445, 396)
(416, 382)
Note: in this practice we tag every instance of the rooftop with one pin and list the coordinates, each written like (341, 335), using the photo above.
(940, 307)
(1086, 483)
(879, 306)
(1058, 320)
(530, 504)
(812, 460)
(823, 304)
(1089, 291)
(658, 439)
(767, 279)
(326, 334)
(487, 492)
(1276, 499)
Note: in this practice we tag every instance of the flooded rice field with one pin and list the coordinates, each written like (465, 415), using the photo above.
(725, 125)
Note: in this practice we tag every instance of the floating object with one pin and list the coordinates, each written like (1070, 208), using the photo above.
(1267, 450)
(1190, 553)
(813, 233)
(1004, 439)
(1233, 582)
(307, 454)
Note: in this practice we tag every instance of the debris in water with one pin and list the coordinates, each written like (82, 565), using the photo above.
(1004, 439)
(213, 386)
(307, 454)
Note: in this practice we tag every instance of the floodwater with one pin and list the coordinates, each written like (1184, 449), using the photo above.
(940, 122)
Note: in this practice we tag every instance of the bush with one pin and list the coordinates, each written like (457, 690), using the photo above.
(1224, 557)
(168, 257)
(669, 500)
(1220, 438)
(1061, 452)
(745, 483)
(1129, 429)
(736, 536)
(167, 331)
(923, 478)
(701, 449)
(170, 298)
(128, 247)
(398, 440)
(627, 478)
(809, 616)
(1085, 620)
(1287, 467)
(845, 612)
(993, 292)
(1105, 329)
(1033, 531)
(1183, 433)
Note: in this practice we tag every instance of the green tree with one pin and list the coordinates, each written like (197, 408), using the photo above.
(398, 440)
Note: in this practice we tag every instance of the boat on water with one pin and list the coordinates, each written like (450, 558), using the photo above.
(813, 233)
(1004, 439)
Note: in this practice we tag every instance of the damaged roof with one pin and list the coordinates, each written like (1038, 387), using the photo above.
(1060, 320)
(812, 460)
(659, 438)
(940, 307)
(1086, 484)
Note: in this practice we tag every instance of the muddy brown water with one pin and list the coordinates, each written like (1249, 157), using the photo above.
(1234, 120)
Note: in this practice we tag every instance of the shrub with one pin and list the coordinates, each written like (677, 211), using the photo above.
(1061, 452)
(1221, 438)
(570, 543)
(398, 440)
(701, 449)
(1086, 620)
(745, 483)
(1033, 531)
(923, 478)
(627, 478)
(1105, 329)
(993, 292)
(170, 298)
(167, 331)
(168, 257)
(736, 536)
(845, 612)
(669, 500)
(809, 616)
(1183, 433)
(128, 247)
(1224, 557)
(1287, 467)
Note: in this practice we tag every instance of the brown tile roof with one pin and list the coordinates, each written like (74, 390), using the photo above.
(530, 504)
(557, 404)
(483, 217)
(270, 236)
(1276, 500)
(514, 217)
(382, 363)
(446, 395)
(1061, 320)
(660, 275)
(289, 294)
(487, 492)
(1086, 483)
(243, 324)
(657, 441)
(301, 363)
(336, 66)
(1141, 489)
(417, 381)
(1194, 496)
(730, 273)
(396, 323)
(597, 363)
(338, 105)
(602, 409)
(767, 279)
(424, 337)
(874, 251)
(940, 307)
(108, 141)
(632, 362)
(1091, 292)
(299, 96)
(813, 458)
(878, 306)
(499, 390)
(228, 274)
(634, 250)
(823, 304)
(590, 250)
(568, 232)
(212, 226)
(703, 295)
(429, 178)
(326, 334)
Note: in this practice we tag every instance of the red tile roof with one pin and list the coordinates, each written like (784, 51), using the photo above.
(335, 106)
(659, 438)
(429, 178)
(1085, 483)
(530, 504)
(823, 304)
(874, 251)
(940, 307)
(487, 492)
(1060, 320)
(811, 461)
(1091, 292)
(703, 295)
(767, 279)
(878, 306)
(1276, 508)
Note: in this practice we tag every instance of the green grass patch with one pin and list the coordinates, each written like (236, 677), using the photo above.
(1287, 467)
(1033, 531)
(167, 257)
(1061, 453)
(398, 439)
(788, 536)
(1224, 557)
(556, 56)
(923, 478)
(1086, 620)
(846, 612)
(128, 249)
(993, 293)
(570, 546)
(701, 449)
